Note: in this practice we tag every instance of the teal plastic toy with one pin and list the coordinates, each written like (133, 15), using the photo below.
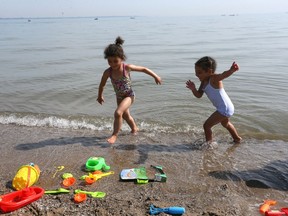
(174, 210)
(96, 163)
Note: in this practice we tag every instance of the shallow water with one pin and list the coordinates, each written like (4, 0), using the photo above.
(51, 69)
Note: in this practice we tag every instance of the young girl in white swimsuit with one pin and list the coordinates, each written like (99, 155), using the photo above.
(119, 73)
(212, 85)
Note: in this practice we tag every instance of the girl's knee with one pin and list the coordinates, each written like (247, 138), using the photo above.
(225, 124)
(206, 126)
(118, 114)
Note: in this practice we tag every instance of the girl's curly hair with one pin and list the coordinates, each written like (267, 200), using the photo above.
(115, 50)
(207, 63)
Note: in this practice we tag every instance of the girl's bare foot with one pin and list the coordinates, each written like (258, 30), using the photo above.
(135, 131)
(112, 139)
(238, 140)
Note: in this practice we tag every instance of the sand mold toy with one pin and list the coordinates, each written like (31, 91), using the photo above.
(96, 163)
(68, 182)
(26, 176)
(17, 199)
(80, 197)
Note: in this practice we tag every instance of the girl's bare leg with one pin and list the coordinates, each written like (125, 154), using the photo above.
(232, 130)
(123, 105)
(130, 121)
(214, 119)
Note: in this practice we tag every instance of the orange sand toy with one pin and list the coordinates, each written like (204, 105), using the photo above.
(26, 176)
(266, 206)
(80, 197)
(69, 181)
(93, 177)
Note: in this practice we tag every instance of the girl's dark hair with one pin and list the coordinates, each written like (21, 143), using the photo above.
(115, 50)
(207, 63)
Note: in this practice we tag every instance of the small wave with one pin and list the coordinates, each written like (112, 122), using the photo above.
(44, 120)
(87, 122)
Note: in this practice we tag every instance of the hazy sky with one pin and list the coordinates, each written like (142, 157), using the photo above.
(67, 8)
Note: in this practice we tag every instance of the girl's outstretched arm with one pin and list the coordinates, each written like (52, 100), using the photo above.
(234, 67)
(130, 67)
(102, 84)
(191, 85)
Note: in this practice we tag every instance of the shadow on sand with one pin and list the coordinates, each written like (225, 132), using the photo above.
(274, 175)
(142, 149)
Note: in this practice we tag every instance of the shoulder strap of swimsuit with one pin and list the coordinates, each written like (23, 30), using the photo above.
(124, 70)
(110, 72)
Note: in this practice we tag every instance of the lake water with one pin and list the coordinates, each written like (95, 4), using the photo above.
(51, 69)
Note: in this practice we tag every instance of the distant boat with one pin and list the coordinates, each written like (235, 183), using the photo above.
(29, 20)
(132, 17)
(96, 18)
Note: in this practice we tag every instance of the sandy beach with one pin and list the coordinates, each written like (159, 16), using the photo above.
(188, 185)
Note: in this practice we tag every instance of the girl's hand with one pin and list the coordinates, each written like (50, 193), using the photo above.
(234, 67)
(100, 100)
(158, 80)
(190, 85)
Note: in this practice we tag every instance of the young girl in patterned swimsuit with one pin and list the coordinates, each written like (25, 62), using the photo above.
(119, 73)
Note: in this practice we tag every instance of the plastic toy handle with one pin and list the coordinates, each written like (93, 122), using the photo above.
(59, 190)
(98, 176)
(175, 210)
(106, 167)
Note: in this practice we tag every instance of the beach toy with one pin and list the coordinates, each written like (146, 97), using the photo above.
(17, 199)
(283, 212)
(140, 175)
(26, 176)
(66, 175)
(134, 174)
(96, 194)
(80, 197)
(59, 168)
(96, 163)
(97, 172)
(91, 178)
(59, 190)
(174, 210)
(160, 176)
(69, 181)
(266, 206)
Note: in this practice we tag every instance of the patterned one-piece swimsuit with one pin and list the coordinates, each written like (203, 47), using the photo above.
(122, 86)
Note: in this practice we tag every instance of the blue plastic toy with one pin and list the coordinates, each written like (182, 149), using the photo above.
(174, 210)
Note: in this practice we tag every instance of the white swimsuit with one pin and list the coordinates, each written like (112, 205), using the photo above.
(220, 100)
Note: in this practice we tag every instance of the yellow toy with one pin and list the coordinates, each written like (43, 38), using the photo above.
(26, 176)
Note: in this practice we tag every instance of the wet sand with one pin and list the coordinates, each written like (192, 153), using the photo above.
(194, 178)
